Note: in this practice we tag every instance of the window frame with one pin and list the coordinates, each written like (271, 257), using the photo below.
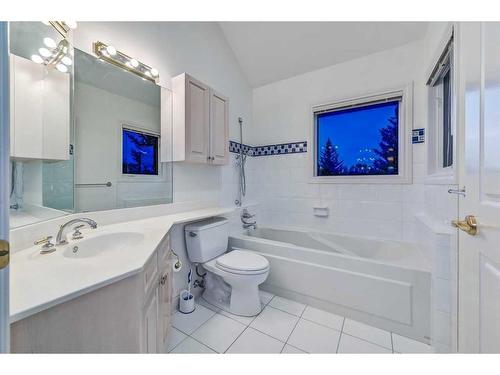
(124, 177)
(436, 173)
(405, 124)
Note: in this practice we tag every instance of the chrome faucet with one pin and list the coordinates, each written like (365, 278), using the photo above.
(59, 237)
(245, 215)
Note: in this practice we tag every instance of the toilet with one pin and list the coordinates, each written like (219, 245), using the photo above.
(242, 271)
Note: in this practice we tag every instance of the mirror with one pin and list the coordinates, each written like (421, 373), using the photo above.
(40, 123)
(90, 138)
(118, 138)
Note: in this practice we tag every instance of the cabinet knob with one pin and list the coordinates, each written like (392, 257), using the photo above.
(163, 280)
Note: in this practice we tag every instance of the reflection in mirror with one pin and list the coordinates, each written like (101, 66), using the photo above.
(117, 138)
(40, 124)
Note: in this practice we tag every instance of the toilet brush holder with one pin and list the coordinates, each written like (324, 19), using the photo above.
(186, 302)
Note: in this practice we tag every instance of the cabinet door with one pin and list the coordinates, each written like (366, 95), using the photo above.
(165, 307)
(150, 324)
(219, 128)
(55, 115)
(197, 120)
(26, 125)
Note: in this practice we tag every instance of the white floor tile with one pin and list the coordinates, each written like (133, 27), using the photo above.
(350, 344)
(174, 338)
(323, 317)
(287, 305)
(246, 320)
(275, 323)
(252, 341)
(219, 332)
(314, 338)
(375, 335)
(204, 303)
(188, 323)
(191, 346)
(288, 349)
(265, 297)
(406, 345)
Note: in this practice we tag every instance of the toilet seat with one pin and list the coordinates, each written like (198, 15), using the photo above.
(242, 262)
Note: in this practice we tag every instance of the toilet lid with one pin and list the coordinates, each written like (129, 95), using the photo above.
(240, 260)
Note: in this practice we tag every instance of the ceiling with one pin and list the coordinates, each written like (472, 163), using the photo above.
(272, 51)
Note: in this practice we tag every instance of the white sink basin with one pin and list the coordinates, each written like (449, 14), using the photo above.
(103, 244)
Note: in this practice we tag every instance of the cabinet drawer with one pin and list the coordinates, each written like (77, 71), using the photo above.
(150, 273)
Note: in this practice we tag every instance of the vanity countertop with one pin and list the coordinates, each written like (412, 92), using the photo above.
(38, 282)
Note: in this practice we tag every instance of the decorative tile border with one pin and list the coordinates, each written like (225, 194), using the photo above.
(277, 149)
(418, 136)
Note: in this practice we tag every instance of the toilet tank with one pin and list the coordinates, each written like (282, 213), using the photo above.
(206, 239)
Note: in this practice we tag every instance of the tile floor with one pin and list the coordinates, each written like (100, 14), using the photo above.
(283, 326)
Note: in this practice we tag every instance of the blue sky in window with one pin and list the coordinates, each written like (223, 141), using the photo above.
(140, 153)
(355, 132)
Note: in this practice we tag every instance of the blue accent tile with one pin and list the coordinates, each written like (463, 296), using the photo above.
(418, 136)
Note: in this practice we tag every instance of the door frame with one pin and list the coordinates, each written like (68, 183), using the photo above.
(4, 185)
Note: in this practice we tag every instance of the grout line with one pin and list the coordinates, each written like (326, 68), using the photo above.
(370, 342)
(170, 351)
(340, 336)
(295, 326)
(325, 326)
(392, 343)
(225, 351)
(198, 341)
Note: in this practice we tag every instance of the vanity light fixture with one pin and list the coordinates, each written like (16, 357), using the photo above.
(110, 54)
(62, 27)
(54, 55)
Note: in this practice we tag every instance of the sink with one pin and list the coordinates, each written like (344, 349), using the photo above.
(102, 244)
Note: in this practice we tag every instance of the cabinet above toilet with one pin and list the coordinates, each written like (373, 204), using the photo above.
(200, 122)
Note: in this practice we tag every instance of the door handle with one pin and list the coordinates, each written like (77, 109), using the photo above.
(469, 225)
(4, 254)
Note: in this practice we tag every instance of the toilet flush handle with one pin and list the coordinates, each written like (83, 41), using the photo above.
(192, 234)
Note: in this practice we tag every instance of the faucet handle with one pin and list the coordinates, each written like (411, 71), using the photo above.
(47, 247)
(77, 235)
(44, 240)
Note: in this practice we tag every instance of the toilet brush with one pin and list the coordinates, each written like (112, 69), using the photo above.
(186, 299)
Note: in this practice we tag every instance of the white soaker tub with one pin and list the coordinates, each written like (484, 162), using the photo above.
(386, 284)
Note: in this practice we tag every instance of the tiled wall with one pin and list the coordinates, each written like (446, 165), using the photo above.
(281, 183)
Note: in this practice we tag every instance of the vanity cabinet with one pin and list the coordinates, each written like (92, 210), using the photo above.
(131, 315)
(200, 122)
(39, 111)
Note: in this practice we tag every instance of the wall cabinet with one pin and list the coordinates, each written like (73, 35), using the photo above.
(39, 111)
(129, 316)
(200, 122)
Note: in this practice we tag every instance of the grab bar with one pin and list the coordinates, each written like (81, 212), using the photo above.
(106, 184)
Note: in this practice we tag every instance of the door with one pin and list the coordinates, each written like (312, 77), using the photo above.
(219, 128)
(197, 120)
(479, 255)
(4, 190)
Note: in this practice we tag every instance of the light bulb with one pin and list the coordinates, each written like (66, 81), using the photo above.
(154, 72)
(37, 59)
(66, 60)
(44, 52)
(49, 42)
(71, 24)
(111, 50)
(147, 72)
(62, 68)
(134, 63)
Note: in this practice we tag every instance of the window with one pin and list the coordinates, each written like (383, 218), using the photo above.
(441, 124)
(139, 152)
(363, 140)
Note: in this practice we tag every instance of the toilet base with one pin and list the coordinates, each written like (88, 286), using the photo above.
(251, 305)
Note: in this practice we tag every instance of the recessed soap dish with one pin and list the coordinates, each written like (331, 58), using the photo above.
(321, 211)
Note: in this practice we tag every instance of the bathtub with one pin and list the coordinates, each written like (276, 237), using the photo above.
(386, 284)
